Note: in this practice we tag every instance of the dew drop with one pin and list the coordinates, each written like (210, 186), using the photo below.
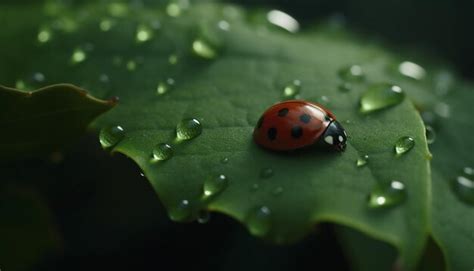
(173, 59)
(225, 160)
(215, 185)
(105, 25)
(278, 191)
(463, 186)
(165, 86)
(352, 73)
(188, 129)
(345, 87)
(162, 151)
(292, 90)
(78, 56)
(259, 221)
(143, 34)
(412, 70)
(204, 49)
(39, 77)
(111, 136)
(283, 20)
(181, 212)
(430, 135)
(362, 161)
(223, 25)
(380, 96)
(203, 216)
(387, 195)
(44, 35)
(266, 173)
(404, 144)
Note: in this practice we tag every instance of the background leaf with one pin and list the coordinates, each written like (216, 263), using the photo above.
(45, 119)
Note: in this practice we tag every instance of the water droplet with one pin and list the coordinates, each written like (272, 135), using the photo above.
(181, 212)
(259, 221)
(204, 49)
(266, 173)
(44, 35)
(203, 216)
(106, 24)
(463, 185)
(412, 70)
(143, 34)
(443, 110)
(362, 161)
(78, 56)
(278, 191)
(380, 96)
(188, 129)
(176, 7)
(225, 160)
(39, 77)
(223, 25)
(430, 135)
(283, 20)
(164, 87)
(404, 144)
(352, 73)
(131, 65)
(111, 136)
(162, 151)
(345, 87)
(292, 89)
(215, 185)
(173, 59)
(387, 195)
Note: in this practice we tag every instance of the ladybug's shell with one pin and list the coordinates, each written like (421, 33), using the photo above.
(292, 125)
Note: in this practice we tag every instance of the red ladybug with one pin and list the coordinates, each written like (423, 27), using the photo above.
(295, 124)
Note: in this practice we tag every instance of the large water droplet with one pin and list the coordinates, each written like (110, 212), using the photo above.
(352, 73)
(283, 20)
(78, 56)
(144, 33)
(203, 216)
(404, 144)
(430, 135)
(181, 212)
(292, 90)
(362, 161)
(412, 70)
(266, 173)
(387, 195)
(380, 96)
(188, 129)
(111, 136)
(463, 185)
(215, 185)
(162, 151)
(204, 49)
(165, 86)
(259, 221)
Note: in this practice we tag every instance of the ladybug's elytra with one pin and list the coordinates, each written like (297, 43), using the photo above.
(297, 124)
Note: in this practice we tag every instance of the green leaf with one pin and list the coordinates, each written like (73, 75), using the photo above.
(227, 93)
(45, 119)
(452, 219)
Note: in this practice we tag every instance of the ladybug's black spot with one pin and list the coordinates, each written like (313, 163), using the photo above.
(260, 122)
(305, 118)
(272, 133)
(283, 112)
(296, 131)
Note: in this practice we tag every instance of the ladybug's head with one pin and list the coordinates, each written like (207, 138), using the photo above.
(335, 137)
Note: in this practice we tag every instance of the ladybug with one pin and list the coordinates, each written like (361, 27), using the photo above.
(297, 124)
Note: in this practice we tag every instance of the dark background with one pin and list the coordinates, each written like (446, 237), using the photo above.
(110, 218)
